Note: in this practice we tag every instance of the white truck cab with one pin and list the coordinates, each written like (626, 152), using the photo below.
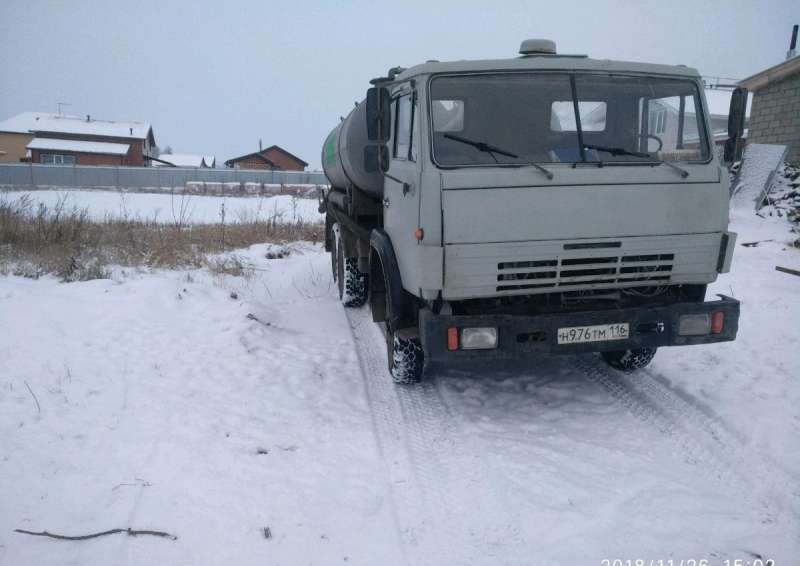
(548, 202)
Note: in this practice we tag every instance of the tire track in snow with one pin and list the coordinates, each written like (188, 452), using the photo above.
(706, 442)
(420, 441)
(419, 432)
(386, 425)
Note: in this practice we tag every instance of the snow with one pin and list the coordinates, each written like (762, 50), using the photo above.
(214, 406)
(62, 123)
(759, 163)
(188, 209)
(180, 160)
(82, 146)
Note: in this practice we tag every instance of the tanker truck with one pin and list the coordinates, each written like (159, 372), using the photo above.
(546, 203)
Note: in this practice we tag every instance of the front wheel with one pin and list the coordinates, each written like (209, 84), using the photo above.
(406, 356)
(629, 360)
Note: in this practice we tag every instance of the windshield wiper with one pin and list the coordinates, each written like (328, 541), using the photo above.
(683, 172)
(482, 146)
(622, 151)
(492, 149)
(547, 172)
(616, 150)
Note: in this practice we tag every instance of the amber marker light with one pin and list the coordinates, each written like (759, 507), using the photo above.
(452, 338)
(717, 322)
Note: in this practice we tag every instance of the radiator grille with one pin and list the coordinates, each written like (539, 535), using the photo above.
(646, 269)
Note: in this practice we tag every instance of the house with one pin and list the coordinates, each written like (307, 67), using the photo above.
(274, 157)
(69, 140)
(775, 117)
(184, 160)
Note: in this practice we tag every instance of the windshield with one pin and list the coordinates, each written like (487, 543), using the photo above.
(551, 118)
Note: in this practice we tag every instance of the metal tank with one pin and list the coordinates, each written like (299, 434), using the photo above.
(343, 155)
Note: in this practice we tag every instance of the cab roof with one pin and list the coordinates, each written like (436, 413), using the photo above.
(547, 63)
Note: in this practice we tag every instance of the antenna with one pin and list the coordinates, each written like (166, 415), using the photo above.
(60, 104)
(793, 44)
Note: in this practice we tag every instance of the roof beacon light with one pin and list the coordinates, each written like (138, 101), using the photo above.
(537, 47)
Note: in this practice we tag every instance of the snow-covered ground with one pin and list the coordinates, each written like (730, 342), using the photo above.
(183, 208)
(213, 407)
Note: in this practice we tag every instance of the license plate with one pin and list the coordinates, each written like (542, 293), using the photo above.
(597, 333)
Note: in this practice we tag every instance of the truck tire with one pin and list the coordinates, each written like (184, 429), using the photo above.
(352, 282)
(405, 357)
(629, 360)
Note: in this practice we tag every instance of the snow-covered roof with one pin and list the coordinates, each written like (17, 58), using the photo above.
(79, 146)
(180, 160)
(211, 161)
(44, 122)
(773, 74)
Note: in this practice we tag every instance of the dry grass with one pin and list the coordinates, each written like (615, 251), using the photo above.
(38, 240)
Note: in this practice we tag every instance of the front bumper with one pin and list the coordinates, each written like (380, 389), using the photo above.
(518, 336)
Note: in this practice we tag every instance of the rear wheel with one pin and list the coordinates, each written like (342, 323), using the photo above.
(351, 281)
(335, 252)
(629, 360)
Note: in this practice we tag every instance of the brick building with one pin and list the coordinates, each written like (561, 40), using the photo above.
(775, 114)
(274, 157)
(69, 140)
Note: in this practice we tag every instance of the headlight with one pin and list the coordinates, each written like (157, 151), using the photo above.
(478, 338)
(694, 324)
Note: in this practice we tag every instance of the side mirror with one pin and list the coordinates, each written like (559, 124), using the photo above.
(378, 114)
(376, 158)
(736, 117)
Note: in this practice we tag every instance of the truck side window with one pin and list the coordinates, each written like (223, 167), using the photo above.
(403, 128)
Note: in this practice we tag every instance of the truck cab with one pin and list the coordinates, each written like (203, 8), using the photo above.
(545, 203)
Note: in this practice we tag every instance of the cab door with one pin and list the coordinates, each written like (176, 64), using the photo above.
(402, 184)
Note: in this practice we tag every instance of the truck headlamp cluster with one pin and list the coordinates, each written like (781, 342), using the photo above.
(482, 338)
(694, 324)
(701, 324)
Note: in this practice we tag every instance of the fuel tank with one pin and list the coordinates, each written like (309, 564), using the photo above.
(343, 155)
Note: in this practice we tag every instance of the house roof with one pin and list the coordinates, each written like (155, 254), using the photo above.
(256, 154)
(293, 156)
(775, 73)
(32, 122)
(260, 154)
(181, 160)
(79, 146)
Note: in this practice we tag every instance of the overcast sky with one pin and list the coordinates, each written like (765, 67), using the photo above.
(214, 77)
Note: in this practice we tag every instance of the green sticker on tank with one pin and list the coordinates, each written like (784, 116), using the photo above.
(330, 149)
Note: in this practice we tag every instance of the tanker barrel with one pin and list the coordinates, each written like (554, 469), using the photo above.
(343, 155)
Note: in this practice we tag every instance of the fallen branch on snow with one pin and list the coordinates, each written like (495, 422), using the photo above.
(129, 532)
(787, 270)
(754, 244)
(38, 407)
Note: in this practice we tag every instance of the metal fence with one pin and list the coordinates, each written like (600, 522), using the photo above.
(86, 176)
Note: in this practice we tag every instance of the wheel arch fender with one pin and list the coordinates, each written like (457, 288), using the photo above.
(386, 285)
